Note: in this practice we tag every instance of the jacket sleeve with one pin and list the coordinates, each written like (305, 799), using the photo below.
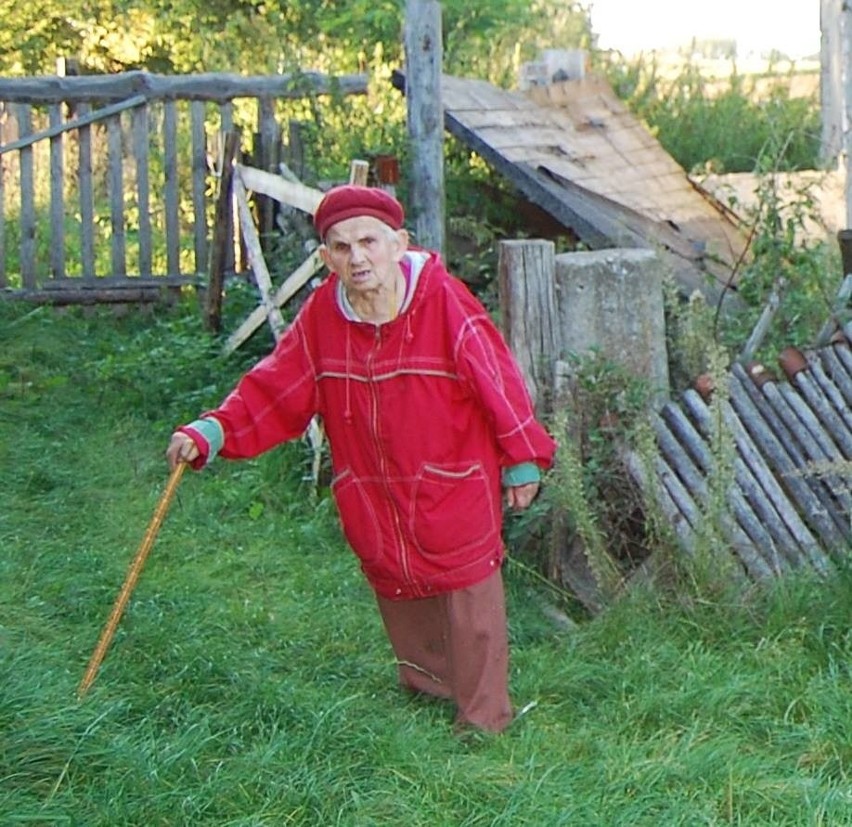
(488, 367)
(273, 402)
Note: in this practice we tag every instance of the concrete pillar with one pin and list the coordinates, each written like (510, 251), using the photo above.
(612, 301)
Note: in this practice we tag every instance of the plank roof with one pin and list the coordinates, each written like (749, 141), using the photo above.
(575, 150)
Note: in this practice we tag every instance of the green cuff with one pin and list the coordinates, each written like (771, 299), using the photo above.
(212, 431)
(521, 474)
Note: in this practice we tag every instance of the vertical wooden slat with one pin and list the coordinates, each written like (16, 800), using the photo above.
(199, 185)
(295, 149)
(3, 280)
(171, 189)
(223, 233)
(57, 196)
(228, 263)
(266, 158)
(226, 115)
(24, 115)
(141, 154)
(115, 188)
(87, 197)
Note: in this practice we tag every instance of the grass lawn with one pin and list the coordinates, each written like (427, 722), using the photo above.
(250, 683)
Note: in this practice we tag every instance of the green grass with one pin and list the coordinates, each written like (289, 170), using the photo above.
(249, 682)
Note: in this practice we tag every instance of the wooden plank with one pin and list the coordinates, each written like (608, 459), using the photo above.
(294, 282)
(223, 235)
(299, 277)
(688, 453)
(211, 86)
(57, 128)
(226, 114)
(358, 172)
(692, 478)
(811, 421)
(256, 260)
(831, 422)
(751, 464)
(87, 198)
(199, 185)
(266, 156)
(57, 195)
(115, 153)
(677, 508)
(27, 219)
(832, 391)
(141, 156)
(287, 192)
(780, 397)
(818, 510)
(836, 370)
(172, 194)
(86, 295)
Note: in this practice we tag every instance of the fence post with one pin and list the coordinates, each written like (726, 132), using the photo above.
(529, 314)
(423, 60)
(223, 234)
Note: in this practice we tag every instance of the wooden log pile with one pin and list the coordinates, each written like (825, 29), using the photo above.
(789, 496)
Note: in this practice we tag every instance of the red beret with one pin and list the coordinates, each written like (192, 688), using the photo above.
(350, 200)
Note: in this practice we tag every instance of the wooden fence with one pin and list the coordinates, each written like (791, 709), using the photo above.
(788, 502)
(106, 181)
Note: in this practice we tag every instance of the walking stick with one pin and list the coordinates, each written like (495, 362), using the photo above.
(130, 580)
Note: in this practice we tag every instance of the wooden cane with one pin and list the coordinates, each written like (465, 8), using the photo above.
(130, 580)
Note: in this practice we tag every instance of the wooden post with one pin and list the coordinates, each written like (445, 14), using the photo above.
(223, 236)
(831, 82)
(526, 284)
(846, 58)
(423, 63)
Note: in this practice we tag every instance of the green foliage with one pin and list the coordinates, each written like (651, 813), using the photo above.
(727, 129)
(787, 265)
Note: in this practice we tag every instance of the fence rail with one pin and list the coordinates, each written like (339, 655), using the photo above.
(106, 180)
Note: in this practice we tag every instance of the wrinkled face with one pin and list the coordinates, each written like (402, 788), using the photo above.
(364, 252)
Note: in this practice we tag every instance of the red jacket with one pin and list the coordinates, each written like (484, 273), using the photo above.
(421, 414)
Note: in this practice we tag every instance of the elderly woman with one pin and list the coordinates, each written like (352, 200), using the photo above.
(428, 422)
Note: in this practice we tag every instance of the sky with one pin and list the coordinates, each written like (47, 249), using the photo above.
(790, 26)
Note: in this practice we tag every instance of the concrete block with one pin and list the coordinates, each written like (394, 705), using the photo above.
(612, 301)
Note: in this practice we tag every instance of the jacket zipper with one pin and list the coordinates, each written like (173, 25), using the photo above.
(374, 396)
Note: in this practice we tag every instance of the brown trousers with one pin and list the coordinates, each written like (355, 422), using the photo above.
(455, 646)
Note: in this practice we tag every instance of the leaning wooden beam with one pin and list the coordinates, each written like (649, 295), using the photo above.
(292, 193)
(833, 392)
(838, 374)
(75, 123)
(677, 507)
(295, 281)
(256, 260)
(747, 506)
(751, 543)
(758, 419)
(751, 464)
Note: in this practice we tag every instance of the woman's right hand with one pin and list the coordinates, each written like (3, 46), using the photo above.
(181, 449)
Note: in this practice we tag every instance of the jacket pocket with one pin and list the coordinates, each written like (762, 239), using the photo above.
(357, 516)
(452, 512)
